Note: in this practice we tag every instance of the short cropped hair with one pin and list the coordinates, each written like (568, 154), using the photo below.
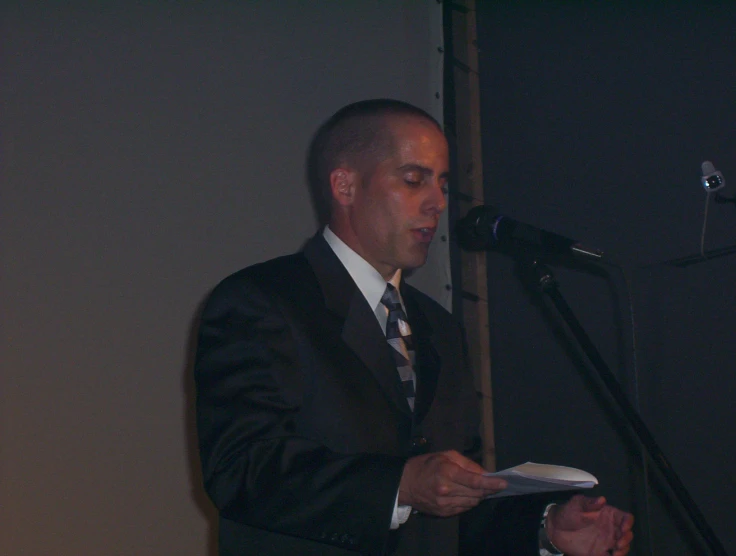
(358, 135)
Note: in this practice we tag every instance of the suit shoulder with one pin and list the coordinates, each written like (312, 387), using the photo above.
(275, 277)
(273, 270)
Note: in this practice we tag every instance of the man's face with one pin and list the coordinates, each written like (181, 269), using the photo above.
(396, 205)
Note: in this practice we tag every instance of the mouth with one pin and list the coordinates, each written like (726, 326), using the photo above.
(424, 235)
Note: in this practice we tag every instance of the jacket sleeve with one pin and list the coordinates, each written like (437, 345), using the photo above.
(257, 470)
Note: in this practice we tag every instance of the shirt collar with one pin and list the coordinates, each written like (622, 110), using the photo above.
(369, 281)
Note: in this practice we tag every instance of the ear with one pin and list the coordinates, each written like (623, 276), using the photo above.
(343, 183)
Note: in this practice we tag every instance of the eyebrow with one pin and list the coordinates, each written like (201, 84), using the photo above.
(423, 169)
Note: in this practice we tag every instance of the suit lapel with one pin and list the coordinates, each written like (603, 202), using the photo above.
(361, 331)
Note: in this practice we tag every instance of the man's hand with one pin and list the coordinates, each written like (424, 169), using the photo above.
(590, 527)
(445, 484)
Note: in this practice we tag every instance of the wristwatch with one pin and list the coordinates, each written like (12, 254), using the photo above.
(546, 548)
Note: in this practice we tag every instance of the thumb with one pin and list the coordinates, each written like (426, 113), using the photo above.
(592, 504)
(465, 463)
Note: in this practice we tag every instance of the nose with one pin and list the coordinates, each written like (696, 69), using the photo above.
(437, 201)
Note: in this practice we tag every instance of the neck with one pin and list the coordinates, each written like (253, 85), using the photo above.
(347, 236)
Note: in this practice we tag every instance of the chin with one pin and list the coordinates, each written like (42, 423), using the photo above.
(414, 257)
(412, 263)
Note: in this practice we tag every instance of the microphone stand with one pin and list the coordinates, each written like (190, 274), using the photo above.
(548, 285)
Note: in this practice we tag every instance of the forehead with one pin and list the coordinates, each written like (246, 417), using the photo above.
(417, 137)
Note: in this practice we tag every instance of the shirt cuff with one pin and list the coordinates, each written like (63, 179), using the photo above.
(401, 514)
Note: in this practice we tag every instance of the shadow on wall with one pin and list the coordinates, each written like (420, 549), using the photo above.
(198, 493)
(318, 192)
(321, 207)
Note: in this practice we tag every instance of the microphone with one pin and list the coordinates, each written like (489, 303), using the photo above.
(712, 179)
(483, 229)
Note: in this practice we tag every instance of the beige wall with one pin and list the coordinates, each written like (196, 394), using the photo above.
(147, 153)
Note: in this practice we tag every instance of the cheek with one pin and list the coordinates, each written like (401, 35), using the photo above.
(395, 220)
(402, 207)
(385, 212)
(389, 215)
(374, 220)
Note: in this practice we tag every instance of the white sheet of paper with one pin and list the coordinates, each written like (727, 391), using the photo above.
(531, 478)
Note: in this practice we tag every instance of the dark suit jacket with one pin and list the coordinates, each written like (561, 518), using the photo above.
(303, 425)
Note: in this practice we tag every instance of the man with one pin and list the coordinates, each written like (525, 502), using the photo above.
(334, 401)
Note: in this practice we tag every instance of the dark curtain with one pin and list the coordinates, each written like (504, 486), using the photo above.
(596, 118)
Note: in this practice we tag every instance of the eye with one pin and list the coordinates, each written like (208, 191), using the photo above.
(413, 179)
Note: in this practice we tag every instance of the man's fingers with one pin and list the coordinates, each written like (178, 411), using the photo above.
(445, 483)
(472, 475)
(623, 522)
(479, 486)
(462, 483)
(626, 521)
(625, 540)
(476, 481)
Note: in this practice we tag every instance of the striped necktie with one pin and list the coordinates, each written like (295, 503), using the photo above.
(398, 335)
